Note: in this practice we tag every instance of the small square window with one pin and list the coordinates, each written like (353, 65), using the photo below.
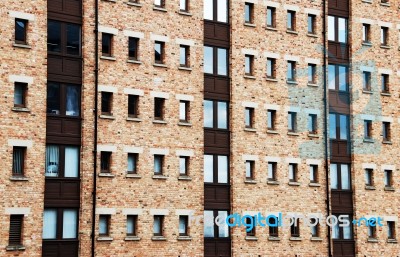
(295, 228)
(184, 5)
(366, 80)
(106, 103)
(312, 73)
(159, 52)
(104, 225)
(106, 44)
(184, 111)
(20, 90)
(385, 83)
(159, 108)
(131, 225)
(133, 103)
(271, 119)
(384, 36)
(132, 163)
(314, 225)
(292, 172)
(272, 171)
(311, 24)
(105, 162)
(21, 31)
(183, 225)
(158, 164)
(366, 33)
(391, 230)
(292, 116)
(291, 71)
(369, 177)
(184, 165)
(248, 13)
(184, 56)
(15, 231)
(248, 67)
(252, 221)
(133, 48)
(271, 11)
(388, 179)
(18, 161)
(158, 225)
(271, 68)
(313, 173)
(386, 131)
(249, 117)
(291, 20)
(159, 3)
(312, 124)
(249, 170)
(367, 129)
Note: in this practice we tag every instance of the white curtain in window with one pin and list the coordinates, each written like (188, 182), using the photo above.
(17, 161)
(347, 229)
(334, 177)
(52, 160)
(208, 168)
(157, 164)
(208, 224)
(345, 176)
(70, 223)
(50, 224)
(72, 101)
(71, 162)
(222, 169)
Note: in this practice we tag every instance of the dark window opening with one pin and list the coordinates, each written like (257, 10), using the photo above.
(105, 162)
(159, 52)
(20, 90)
(18, 161)
(159, 108)
(132, 163)
(106, 103)
(133, 48)
(21, 31)
(15, 231)
(106, 44)
(133, 106)
(63, 99)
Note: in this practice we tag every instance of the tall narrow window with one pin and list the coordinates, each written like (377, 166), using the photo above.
(312, 73)
(158, 164)
(367, 129)
(184, 5)
(384, 36)
(106, 103)
(371, 232)
(62, 161)
(338, 126)
(106, 44)
(273, 226)
(158, 225)
(340, 176)
(271, 69)
(21, 31)
(104, 225)
(388, 178)
(338, 77)
(272, 171)
(248, 13)
(391, 230)
(183, 165)
(291, 71)
(20, 90)
(291, 21)
(292, 172)
(248, 67)
(314, 227)
(249, 117)
(252, 232)
(132, 163)
(215, 114)
(216, 10)
(133, 48)
(184, 111)
(18, 161)
(369, 181)
(312, 124)
(295, 228)
(271, 14)
(386, 131)
(15, 231)
(184, 56)
(216, 169)
(313, 173)
(366, 33)
(385, 83)
(366, 81)
(271, 119)
(292, 116)
(105, 162)
(183, 225)
(63, 99)
(249, 170)
(337, 29)
(311, 24)
(159, 52)
(215, 61)
(131, 225)
(53, 36)
(159, 108)
(133, 104)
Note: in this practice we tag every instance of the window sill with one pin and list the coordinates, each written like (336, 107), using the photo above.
(312, 35)
(389, 189)
(161, 9)
(134, 119)
(272, 79)
(249, 77)
(313, 135)
(185, 13)
(187, 124)
(274, 238)
(251, 238)
(385, 4)
(367, 1)
(16, 178)
(114, 1)
(250, 181)
(271, 182)
(314, 184)
(250, 129)
(158, 238)
(315, 239)
(368, 140)
(133, 176)
(272, 131)
(134, 61)
(249, 25)
(391, 241)
(108, 58)
(294, 183)
(184, 238)
(160, 177)
(132, 238)
(292, 32)
(105, 238)
(108, 117)
(107, 175)
(367, 92)
(386, 47)
(134, 4)
(183, 177)
(370, 188)
(387, 142)
(295, 238)
(372, 240)
(184, 68)
(20, 109)
(271, 28)
(160, 65)
(22, 46)
(291, 82)
(366, 44)
(312, 85)
(386, 94)
(159, 122)
(293, 134)
(15, 248)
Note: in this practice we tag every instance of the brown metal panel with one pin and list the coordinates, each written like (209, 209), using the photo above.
(338, 51)
(65, 66)
(60, 248)
(65, 10)
(339, 102)
(216, 34)
(339, 7)
(62, 192)
(343, 248)
(216, 197)
(63, 130)
(217, 247)
(340, 150)
(342, 201)
(216, 138)
(216, 87)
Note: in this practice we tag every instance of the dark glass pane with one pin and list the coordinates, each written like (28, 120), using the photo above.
(133, 48)
(106, 44)
(20, 30)
(54, 36)
(73, 39)
(19, 93)
(53, 98)
(105, 102)
(72, 100)
(132, 105)
(158, 52)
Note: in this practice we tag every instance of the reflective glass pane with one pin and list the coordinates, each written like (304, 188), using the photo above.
(208, 224)
(208, 60)
(222, 7)
(223, 229)
(50, 224)
(222, 115)
(345, 176)
(222, 62)
(52, 161)
(53, 98)
(342, 23)
(223, 169)
(331, 28)
(208, 114)
(332, 126)
(342, 78)
(53, 36)
(208, 9)
(71, 168)
(208, 168)
(334, 176)
(73, 39)
(70, 224)
(344, 127)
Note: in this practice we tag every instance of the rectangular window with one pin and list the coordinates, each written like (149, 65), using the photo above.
(311, 24)
(249, 117)
(292, 172)
(385, 83)
(63, 99)
(338, 77)
(366, 33)
(369, 181)
(252, 232)
(15, 231)
(291, 71)
(291, 20)
(388, 178)
(340, 176)
(62, 161)
(215, 114)
(184, 165)
(337, 29)
(183, 225)
(21, 27)
(248, 67)
(391, 230)
(344, 232)
(133, 106)
(132, 163)
(314, 225)
(216, 10)
(384, 36)
(271, 14)
(295, 228)
(367, 129)
(338, 126)
(313, 173)
(386, 131)
(366, 81)
(273, 227)
(131, 225)
(248, 13)
(271, 69)
(159, 52)
(133, 48)
(271, 119)
(272, 171)
(312, 73)
(184, 5)
(371, 232)
(106, 44)
(158, 164)
(312, 124)
(292, 116)
(20, 90)
(158, 225)
(54, 36)
(159, 108)
(216, 169)
(215, 61)
(249, 170)
(184, 56)
(105, 162)
(106, 103)
(159, 3)
(18, 161)
(60, 223)
(184, 111)
(211, 229)
(104, 225)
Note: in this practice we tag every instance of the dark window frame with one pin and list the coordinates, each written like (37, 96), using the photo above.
(62, 100)
(106, 103)
(292, 67)
(215, 115)
(367, 78)
(105, 161)
(134, 222)
(273, 230)
(273, 119)
(292, 16)
(133, 106)
(107, 38)
(272, 63)
(295, 172)
(161, 159)
(386, 131)
(295, 228)
(16, 230)
(61, 162)
(367, 129)
(339, 126)
(371, 232)
(337, 29)
(161, 5)
(339, 177)
(341, 229)
(215, 13)
(311, 18)
(249, 59)
(292, 126)
(337, 77)
(252, 169)
(133, 48)
(274, 166)
(388, 178)
(24, 89)
(60, 222)
(186, 57)
(185, 218)
(161, 220)
(366, 33)
(107, 218)
(391, 232)
(273, 17)
(64, 39)
(384, 36)
(314, 171)
(21, 41)
(252, 232)
(314, 123)
(135, 157)
(187, 160)
(369, 174)
(385, 83)
(187, 6)
(315, 228)
(215, 61)
(19, 152)
(248, 7)
(187, 111)
(313, 68)
(249, 111)
(159, 108)
(216, 227)
(215, 170)
(161, 59)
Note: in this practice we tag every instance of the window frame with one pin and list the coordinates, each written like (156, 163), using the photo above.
(315, 230)
(388, 178)
(384, 36)
(215, 226)
(187, 160)
(293, 171)
(385, 83)
(186, 56)
(134, 225)
(249, 117)
(215, 170)
(311, 18)
(273, 231)
(64, 39)
(366, 33)
(369, 177)
(291, 20)
(62, 161)
(339, 177)
(24, 40)
(338, 127)
(161, 60)
(341, 229)
(186, 4)
(248, 11)
(313, 168)
(248, 65)
(133, 43)
(274, 166)
(271, 119)
(185, 219)
(313, 69)
(313, 122)
(105, 161)
(291, 66)
(337, 31)
(292, 122)
(106, 103)
(107, 219)
(215, 114)
(133, 106)
(186, 105)
(62, 100)
(250, 166)
(16, 230)
(60, 224)
(366, 79)
(159, 108)
(271, 62)
(367, 129)
(216, 13)
(337, 77)
(252, 232)
(371, 232)
(160, 158)
(107, 38)
(24, 89)
(295, 228)
(215, 61)
(135, 157)
(22, 156)
(391, 230)
(272, 11)
(161, 5)
(160, 219)
(386, 131)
